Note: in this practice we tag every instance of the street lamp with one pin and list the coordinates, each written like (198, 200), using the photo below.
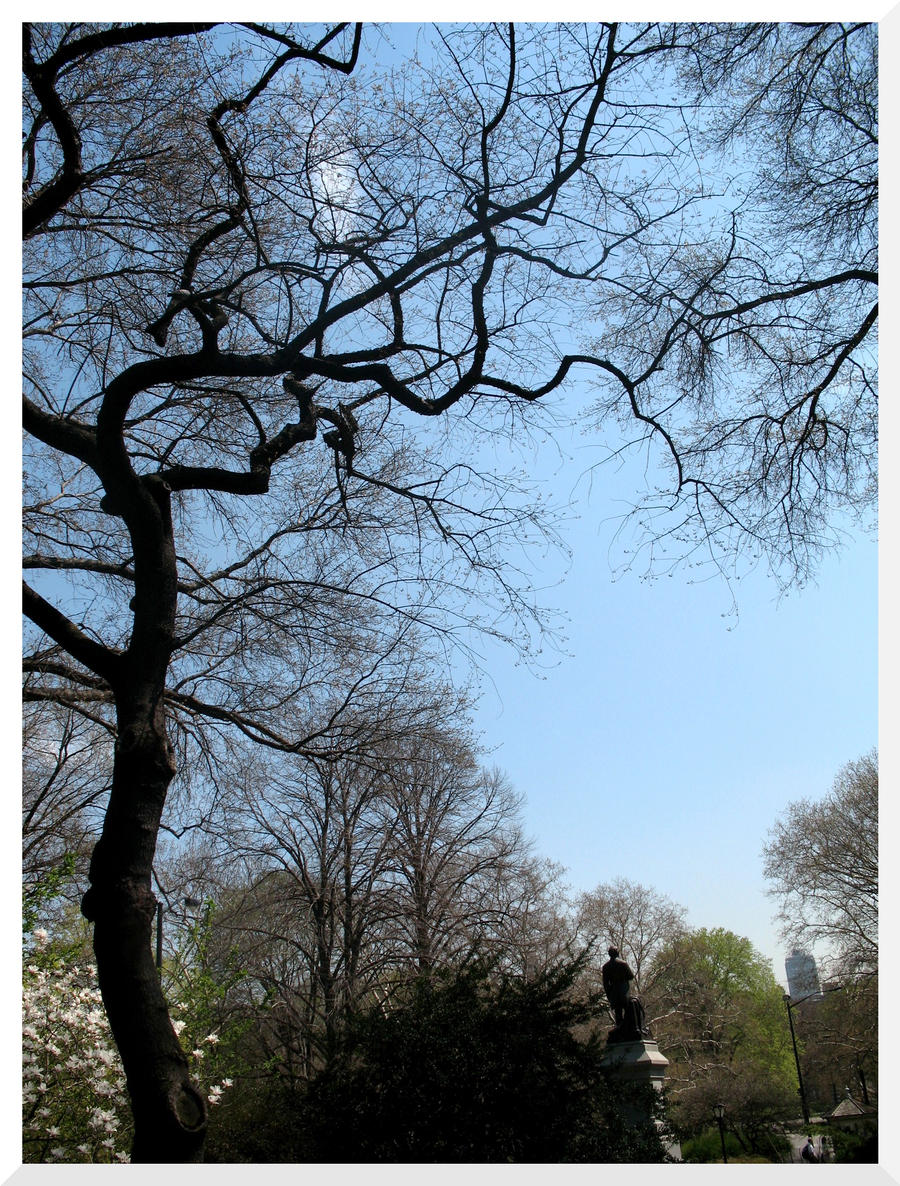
(719, 1113)
(789, 1005)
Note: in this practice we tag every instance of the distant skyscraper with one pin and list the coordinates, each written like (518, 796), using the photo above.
(802, 975)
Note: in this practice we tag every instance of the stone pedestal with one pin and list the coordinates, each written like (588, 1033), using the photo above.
(638, 1062)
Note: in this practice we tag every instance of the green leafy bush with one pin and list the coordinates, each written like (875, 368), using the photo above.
(470, 1066)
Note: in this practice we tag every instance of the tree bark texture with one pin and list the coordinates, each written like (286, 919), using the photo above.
(170, 1114)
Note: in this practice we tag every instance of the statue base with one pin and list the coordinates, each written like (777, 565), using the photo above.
(637, 1060)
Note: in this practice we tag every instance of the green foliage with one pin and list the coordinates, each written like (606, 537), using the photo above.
(725, 1033)
(724, 1001)
(201, 983)
(858, 1148)
(470, 1066)
(706, 1146)
(47, 887)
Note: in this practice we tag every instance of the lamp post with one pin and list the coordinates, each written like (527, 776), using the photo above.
(790, 1006)
(719, 1113)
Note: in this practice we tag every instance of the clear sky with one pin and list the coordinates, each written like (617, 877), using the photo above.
(676, 732)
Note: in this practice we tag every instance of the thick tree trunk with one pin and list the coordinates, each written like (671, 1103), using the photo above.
(169, 1112)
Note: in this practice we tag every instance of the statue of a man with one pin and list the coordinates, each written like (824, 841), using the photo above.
(617, 977)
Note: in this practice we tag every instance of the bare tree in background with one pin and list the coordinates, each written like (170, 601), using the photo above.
(63, 793)
(641, 922)
(822, 862)
(750, 344)
(254, 263)
(344, 880)
(454, 828)
(525, 924)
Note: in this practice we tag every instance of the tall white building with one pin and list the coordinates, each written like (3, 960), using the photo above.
(802, 975)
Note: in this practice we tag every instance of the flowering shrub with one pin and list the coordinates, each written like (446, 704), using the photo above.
(74, 1101)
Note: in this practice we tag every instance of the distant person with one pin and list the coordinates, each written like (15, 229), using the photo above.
(808, 1152)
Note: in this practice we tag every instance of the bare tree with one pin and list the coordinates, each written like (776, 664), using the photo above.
(64, 757)
(454, 829)
(252, 265)
(636, 919)
(313, 841)
(750, 346)
(838, 1037)
(525, 922)
(348, 876)
(822, 862)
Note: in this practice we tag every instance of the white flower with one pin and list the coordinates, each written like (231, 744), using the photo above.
(213, 1039)
(123, 1157)
(40, 936)
(57, 1153)
(178, 1026)
(101, 1119)
(198, 1053)
(227, 1082)
(215, 1094)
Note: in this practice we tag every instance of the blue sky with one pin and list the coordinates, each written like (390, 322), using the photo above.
(667, 743)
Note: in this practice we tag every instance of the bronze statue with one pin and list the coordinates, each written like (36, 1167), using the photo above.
(628, 1012)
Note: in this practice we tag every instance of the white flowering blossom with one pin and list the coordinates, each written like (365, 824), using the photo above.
(68, 1063)
(74, 1100)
